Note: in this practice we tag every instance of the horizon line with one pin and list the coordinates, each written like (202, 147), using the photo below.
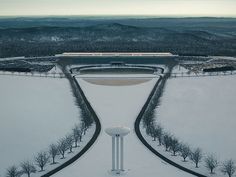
(122, 15)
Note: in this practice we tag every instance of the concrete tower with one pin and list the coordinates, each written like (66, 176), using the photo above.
(117, 134)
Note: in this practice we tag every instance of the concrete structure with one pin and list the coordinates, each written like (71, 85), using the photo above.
(115, 54)
(117, 134)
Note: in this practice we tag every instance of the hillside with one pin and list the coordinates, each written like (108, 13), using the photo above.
(49, 40)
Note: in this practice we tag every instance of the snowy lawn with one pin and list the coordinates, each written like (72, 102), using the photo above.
(119, 105)
(34, 112)
(201, 112)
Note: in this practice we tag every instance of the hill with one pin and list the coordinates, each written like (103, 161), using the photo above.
(116, 37)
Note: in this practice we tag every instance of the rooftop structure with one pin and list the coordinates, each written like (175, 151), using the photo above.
(113, 54)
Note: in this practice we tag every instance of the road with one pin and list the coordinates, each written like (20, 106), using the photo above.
(119, 105)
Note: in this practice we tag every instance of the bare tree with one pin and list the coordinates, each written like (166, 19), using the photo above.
(153, 132)
(13, 172)
(53, 151)
(174, 145)
(83, 128)
(69, 142)
(150, 131)
(211, 162)
(77, 135)
(185, 151)
(167, 141)
(196, 156)
(62, 147)
(42, 159)
(228, 167)
(159, 134)
(28, 168)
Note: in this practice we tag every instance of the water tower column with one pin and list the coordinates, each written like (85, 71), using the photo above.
(113, 153)
(117, 134)
(117, 151)
(122, 153)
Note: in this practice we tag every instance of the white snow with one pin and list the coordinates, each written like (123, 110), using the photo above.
(55, 70)
(113, 131)
(179, 70)
(201, 112)
(86, 138)
(118, 76)
(35, 112)
(119, 106)
(12, 58)
(221, 57)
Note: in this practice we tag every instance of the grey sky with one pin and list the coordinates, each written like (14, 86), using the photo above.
(119, 7)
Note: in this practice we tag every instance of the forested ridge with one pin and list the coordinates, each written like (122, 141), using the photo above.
(185, 39)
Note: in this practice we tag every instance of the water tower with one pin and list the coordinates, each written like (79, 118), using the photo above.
(117, 134)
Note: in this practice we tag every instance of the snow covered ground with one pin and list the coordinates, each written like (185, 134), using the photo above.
(34, 112)
(201, 112)
(117, 79)
(179, 70)
(119, 105)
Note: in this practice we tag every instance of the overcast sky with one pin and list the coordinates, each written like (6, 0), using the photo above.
(119, 7)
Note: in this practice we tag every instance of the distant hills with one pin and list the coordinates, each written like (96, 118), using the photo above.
(201, 36)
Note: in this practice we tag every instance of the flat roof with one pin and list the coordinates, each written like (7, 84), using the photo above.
(123, 54)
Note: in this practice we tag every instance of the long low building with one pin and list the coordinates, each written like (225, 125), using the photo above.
(123, 54)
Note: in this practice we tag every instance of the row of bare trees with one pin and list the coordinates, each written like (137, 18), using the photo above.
(43, 158)
(63, 146)
(174, 146)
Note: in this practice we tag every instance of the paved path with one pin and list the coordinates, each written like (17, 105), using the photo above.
(119, 106)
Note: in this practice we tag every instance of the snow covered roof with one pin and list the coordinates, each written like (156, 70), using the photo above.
(95, 54)
(122, 131)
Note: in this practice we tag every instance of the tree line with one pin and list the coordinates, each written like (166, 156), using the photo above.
(173, 145)
(44, 41)
(56, 150)
(50, 156)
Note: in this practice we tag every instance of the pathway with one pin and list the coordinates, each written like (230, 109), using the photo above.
(119, 105)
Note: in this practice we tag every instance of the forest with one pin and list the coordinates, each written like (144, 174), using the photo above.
(187, 37)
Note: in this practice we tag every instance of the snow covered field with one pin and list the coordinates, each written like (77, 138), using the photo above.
(201, 112)
(35, 112)
(119, 105)
(117, 79)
